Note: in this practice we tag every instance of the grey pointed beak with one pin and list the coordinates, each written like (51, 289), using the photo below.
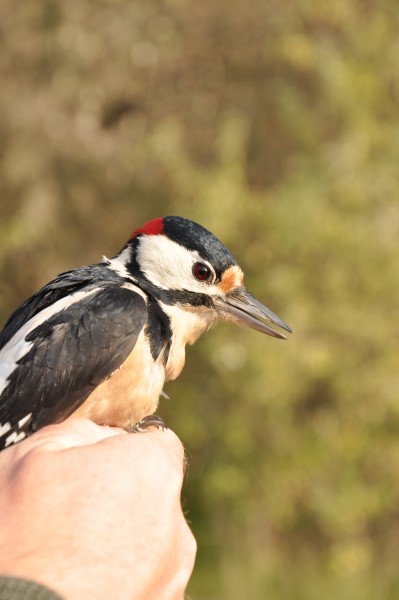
(244, 309)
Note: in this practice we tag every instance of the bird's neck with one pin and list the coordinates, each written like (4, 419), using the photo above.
(187, 326)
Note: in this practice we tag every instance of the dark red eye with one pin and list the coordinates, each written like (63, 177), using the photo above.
(202, 272)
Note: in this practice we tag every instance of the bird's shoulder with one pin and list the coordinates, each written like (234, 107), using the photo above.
(84, 280)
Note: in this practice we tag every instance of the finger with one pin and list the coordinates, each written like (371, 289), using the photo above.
(160, 453)
(77, 431)
(73, 432)
(167, 439)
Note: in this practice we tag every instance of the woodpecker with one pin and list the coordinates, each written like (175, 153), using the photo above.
(100, 341)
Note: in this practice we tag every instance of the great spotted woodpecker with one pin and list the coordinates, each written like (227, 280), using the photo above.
(100, 341)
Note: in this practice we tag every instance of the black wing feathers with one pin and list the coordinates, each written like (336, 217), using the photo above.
(72, 353)
(63, 285)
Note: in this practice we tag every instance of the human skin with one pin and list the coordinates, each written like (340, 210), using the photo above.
(93, 512)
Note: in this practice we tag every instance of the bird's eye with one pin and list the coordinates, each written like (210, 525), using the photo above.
(202, 272)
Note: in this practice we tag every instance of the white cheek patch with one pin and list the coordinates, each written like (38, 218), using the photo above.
(169, 265)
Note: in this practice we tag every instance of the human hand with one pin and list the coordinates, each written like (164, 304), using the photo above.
(93, 512)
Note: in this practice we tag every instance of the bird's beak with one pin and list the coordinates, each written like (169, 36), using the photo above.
(242, 308)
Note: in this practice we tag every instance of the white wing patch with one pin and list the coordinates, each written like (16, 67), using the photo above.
(14, 438)
(24, 421)
(17, 435)
(17, 346)
(4, 428)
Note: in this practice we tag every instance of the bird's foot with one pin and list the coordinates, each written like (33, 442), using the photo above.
(146, 422)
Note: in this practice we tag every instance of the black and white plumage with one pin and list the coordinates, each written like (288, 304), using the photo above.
(101, 340)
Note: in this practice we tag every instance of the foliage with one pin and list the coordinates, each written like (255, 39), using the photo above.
(276, 126)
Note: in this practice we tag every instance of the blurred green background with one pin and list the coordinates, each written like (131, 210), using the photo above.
(276, 125)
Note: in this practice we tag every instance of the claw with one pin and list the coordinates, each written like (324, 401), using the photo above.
(146, 422)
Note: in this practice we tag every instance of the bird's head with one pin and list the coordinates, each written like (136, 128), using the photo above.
(184, 265)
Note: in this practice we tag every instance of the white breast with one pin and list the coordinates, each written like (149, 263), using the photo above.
(187, 325)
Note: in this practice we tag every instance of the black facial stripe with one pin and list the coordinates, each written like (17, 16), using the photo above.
(158, 330)
(171, 297)
(183, 297)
